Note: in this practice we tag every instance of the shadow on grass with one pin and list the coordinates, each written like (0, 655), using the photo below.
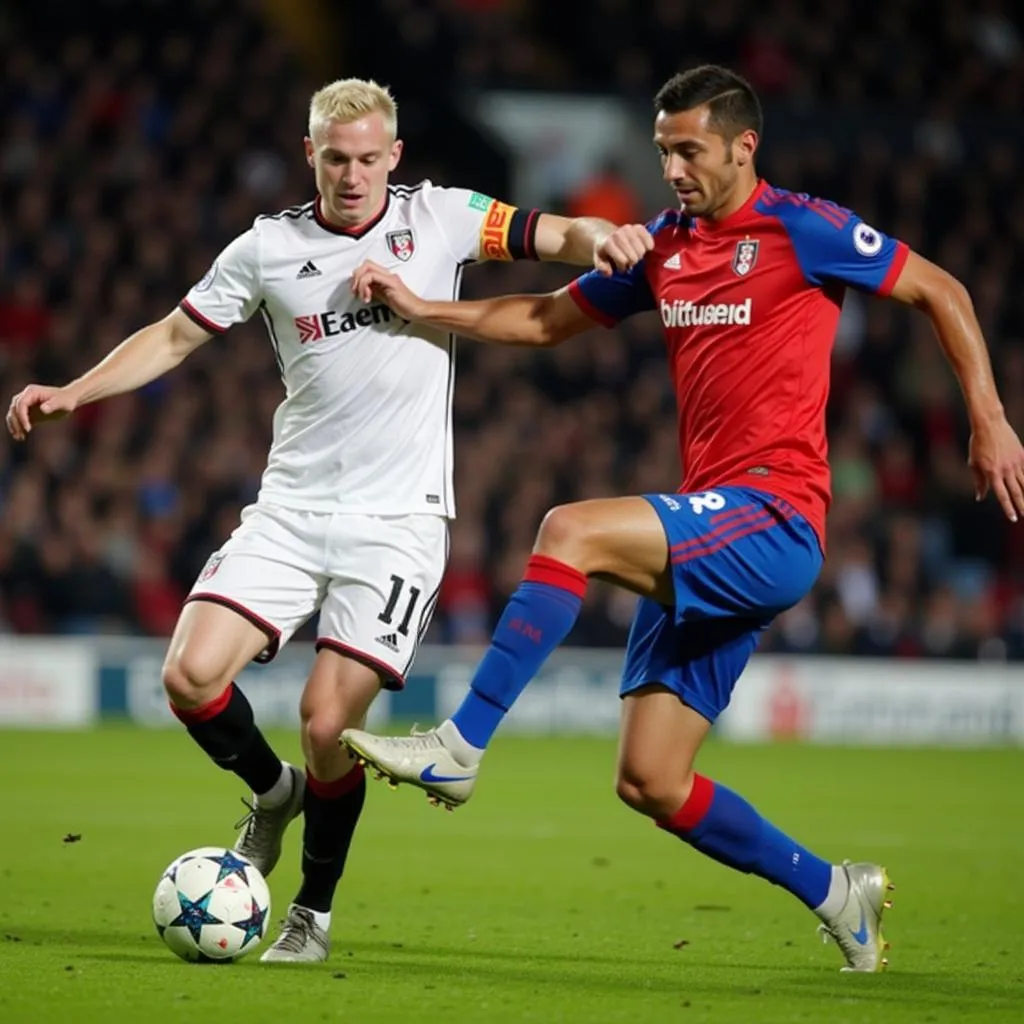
(688, 975)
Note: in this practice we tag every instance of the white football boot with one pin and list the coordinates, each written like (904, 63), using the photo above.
(264, 827)
(422, 759)
(302, 940)
(857, 928)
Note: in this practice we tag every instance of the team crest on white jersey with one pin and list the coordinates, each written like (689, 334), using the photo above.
(211, 567)
(745, 257)
(402, 244)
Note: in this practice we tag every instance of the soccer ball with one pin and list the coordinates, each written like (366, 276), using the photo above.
(211, 904)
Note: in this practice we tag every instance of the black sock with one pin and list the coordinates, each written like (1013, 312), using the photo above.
(226, 730)
(330, 811)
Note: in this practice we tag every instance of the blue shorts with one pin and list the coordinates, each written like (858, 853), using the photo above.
(739, 558)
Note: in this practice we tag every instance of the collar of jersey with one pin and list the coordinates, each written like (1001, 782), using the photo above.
(350, 232)
(713, 227)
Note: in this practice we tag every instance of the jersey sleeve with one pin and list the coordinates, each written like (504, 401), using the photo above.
(611, 299)
(229, 293)
(477, 227)
(834, 244)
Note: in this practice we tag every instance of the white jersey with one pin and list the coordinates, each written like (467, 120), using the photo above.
(366, 423)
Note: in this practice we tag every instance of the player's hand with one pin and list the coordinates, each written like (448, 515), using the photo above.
(372, 281)
(37, 404)
(997, 464)
(622, 249)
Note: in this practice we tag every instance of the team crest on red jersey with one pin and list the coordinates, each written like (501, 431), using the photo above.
(401, 244)
(745, 257)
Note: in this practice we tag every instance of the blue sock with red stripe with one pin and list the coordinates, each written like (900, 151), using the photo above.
(722, 825)
(537, 618)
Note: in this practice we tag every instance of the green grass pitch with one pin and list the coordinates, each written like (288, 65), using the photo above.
(543, 900)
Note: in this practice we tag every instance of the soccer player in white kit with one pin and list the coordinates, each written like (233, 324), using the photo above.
(352, 516)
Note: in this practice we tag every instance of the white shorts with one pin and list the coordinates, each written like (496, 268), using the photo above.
(374, 580)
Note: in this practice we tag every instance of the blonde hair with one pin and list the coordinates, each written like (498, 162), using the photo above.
(349, 99)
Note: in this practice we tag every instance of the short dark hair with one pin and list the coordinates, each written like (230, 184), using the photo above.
(731, 99)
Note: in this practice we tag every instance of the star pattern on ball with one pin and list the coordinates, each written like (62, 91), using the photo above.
(172, 871)
(228, 864)
(253, 924)
(193, 914)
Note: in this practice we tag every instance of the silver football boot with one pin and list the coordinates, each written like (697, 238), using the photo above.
(263, 828)
(857, 928)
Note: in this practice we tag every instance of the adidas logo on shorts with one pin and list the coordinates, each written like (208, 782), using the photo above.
(389, 640)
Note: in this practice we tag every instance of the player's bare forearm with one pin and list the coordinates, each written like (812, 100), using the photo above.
(570, 240)
(960, 336)
(510, 319)
(591, 241)
(948, 305)
(996, 456)
(147, 354)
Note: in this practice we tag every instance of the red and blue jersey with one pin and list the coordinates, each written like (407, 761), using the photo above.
(750, 306)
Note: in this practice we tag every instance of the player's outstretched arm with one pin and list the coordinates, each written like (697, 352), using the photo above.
(546, 319)
(996, 455)
(591, 241)
(143, 357)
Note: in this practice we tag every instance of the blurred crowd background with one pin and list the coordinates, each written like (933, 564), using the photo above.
(143, 136)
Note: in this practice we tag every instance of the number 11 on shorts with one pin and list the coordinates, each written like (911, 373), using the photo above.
(387, 616)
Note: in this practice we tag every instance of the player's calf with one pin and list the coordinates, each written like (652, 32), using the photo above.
(339, 692)
(209, 645)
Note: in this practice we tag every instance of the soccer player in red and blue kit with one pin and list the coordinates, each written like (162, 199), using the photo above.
(748, 280)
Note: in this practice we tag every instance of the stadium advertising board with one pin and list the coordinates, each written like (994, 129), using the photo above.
(67, 682)
(896, 703)
(47, 682)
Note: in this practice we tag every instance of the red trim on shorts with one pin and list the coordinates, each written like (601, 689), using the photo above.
(203, 713)
(392, 680)
(542, 569)
(336, 788)
(709, 547)
(692, 813)
(721, 517)
(710, 536)
(273, 633)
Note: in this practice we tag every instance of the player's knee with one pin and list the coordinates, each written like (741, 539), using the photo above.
(323, 731)
(323, 722)
(192, 678)
(647, 792)
(563, 533)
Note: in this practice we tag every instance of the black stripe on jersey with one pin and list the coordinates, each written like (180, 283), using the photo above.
(292, 213)
(405, 191)
(427, 612)
(275, 344)
(522, 235)
(450, 392)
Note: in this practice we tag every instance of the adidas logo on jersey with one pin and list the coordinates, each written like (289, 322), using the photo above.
(309, 269)
(389, 640)
(674, 262)
(692, 314)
